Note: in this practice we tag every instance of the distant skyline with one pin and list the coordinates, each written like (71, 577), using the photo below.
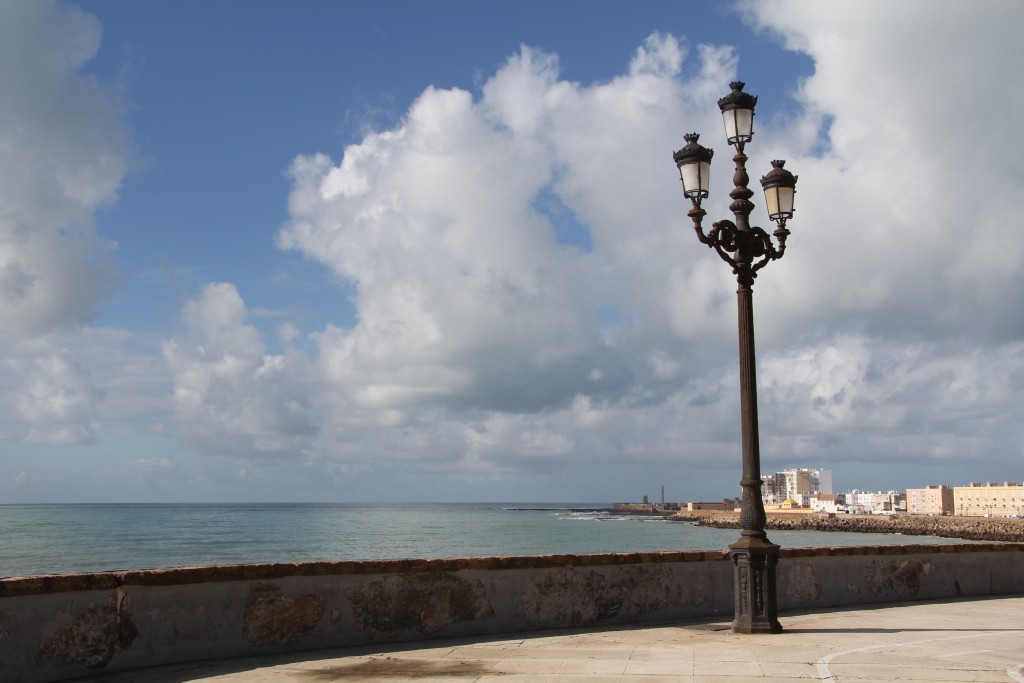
(406, 251)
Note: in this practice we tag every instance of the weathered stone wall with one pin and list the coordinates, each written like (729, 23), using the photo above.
(969, 528)
(60, 627)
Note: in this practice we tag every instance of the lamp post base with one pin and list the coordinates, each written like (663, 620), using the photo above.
(754, 561)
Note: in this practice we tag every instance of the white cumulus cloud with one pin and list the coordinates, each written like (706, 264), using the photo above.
(63, 153)
(230, 396)
(486, 341)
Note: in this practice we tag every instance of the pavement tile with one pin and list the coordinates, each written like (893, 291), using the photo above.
(662, 653)
(891, 672)
(471, 654)
(727, 668)
(570, 653)
(805, 669)
(592, 666)
(706, 652)
(516, 666)
(791, 655)
(1001, 675)
(664, 667)
(500, 644)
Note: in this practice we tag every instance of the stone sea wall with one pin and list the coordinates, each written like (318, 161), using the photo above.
(969, 528)
(55, 628)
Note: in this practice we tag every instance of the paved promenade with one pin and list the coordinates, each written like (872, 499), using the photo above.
(964, 640)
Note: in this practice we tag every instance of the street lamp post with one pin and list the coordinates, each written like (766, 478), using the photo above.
(747, 249)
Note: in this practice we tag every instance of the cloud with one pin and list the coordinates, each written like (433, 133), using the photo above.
(150, 463)
(489, 345)
(64, 154)
(481, 334)
(877, 400)
(911, 204)
(63, 387)
(229, 395)
(465, 295)
(530, 300)
(59, 395)
(899, 291)
(905, 285)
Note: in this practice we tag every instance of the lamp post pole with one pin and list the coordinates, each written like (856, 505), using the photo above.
(747, 249)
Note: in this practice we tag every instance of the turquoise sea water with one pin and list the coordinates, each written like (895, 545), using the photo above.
(53, 539)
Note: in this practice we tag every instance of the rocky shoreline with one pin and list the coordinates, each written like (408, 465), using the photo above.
(970, 528)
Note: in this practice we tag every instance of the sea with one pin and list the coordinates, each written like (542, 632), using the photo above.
(60, 539)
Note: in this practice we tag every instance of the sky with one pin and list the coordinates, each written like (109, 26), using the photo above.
(393, 251)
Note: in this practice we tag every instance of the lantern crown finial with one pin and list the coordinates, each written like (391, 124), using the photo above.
(737, 99)
(778, 176)
(693, 150)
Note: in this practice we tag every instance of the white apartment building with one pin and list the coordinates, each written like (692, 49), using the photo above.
(828, 503)
(798, 485)
(802, 481)
(873, 503)
(989, 500)
(931, 500)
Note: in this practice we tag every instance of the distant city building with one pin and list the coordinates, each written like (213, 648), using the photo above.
(931, 500)
(989, 500)
(874, 503)
(829, 503)
(796, 484)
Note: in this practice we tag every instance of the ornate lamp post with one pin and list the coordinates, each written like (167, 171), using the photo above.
(747, 249)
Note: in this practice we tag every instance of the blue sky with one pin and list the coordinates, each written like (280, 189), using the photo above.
(438, 251)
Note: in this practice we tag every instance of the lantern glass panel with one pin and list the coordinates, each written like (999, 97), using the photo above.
(739, 125)
(780, 201)
(695, 178)
(771, 200)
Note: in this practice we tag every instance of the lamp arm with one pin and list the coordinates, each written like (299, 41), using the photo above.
(697, 214)
(770, 252)
(723, 238)
(763, 247)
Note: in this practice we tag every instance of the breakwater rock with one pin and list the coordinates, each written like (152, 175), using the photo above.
(970, 528)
